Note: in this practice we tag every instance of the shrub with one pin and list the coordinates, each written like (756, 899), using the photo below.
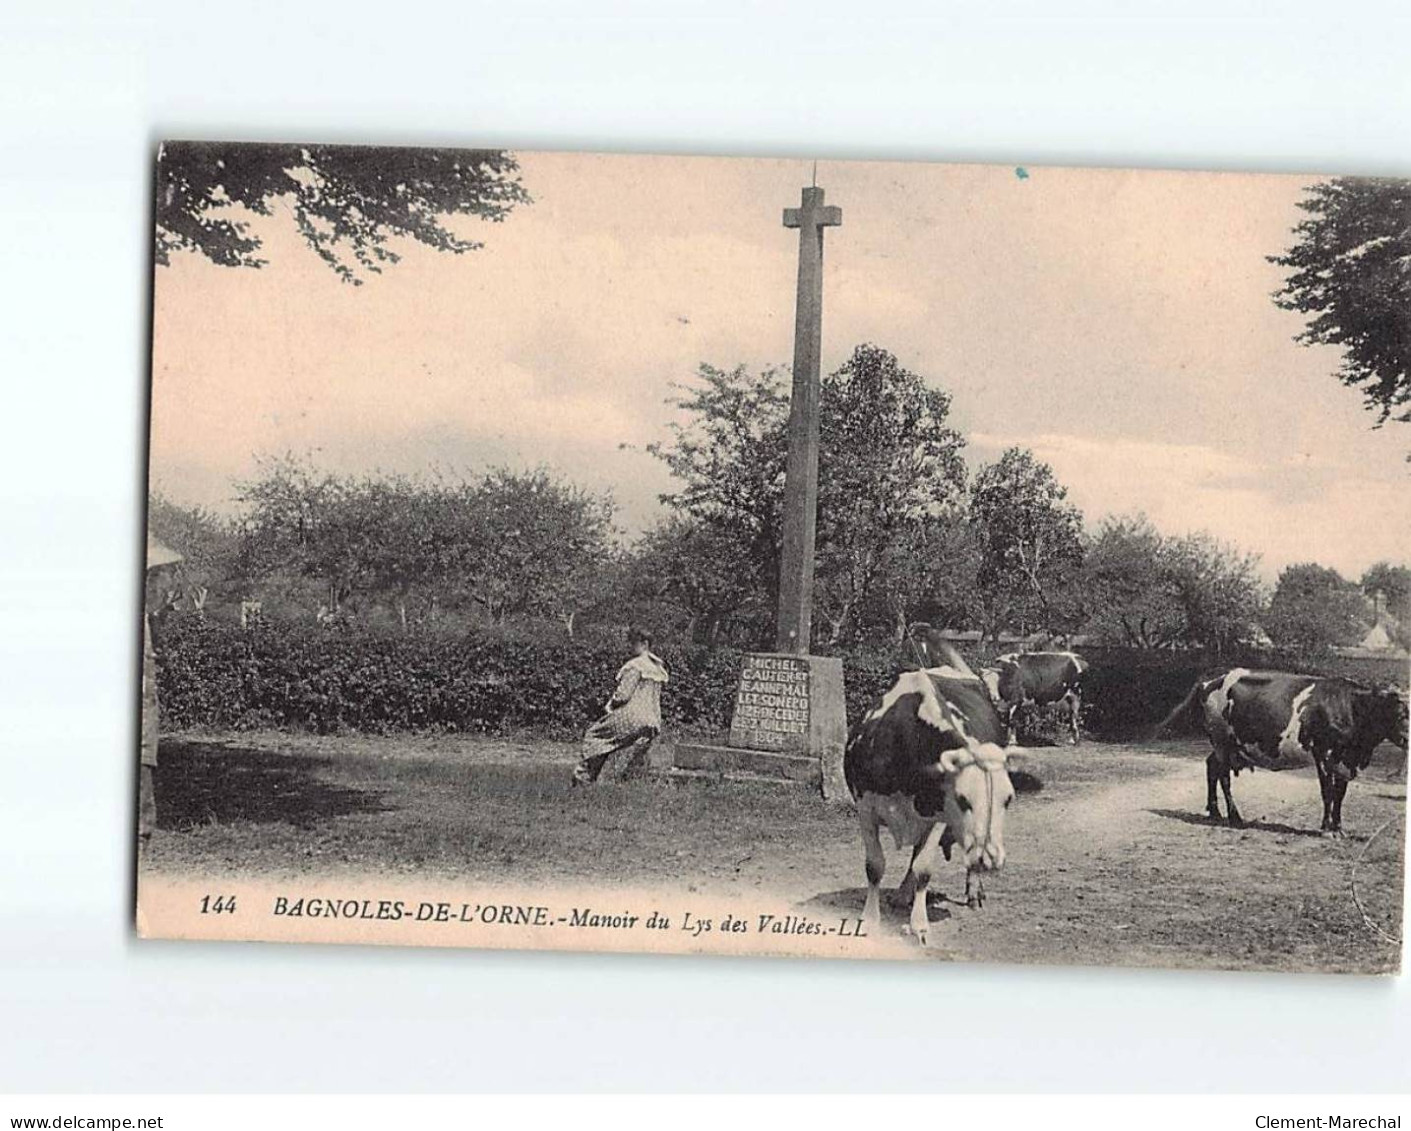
(1127, 692)
(326, 678)
(330, 678)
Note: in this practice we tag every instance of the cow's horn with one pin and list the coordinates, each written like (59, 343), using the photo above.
(953, 657)
(940, 649)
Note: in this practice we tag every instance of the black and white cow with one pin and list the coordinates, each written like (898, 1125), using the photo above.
(1276, 720)
(928, 763)
(1037, 677)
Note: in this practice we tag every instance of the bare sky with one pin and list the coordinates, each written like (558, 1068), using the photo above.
(1119, 323)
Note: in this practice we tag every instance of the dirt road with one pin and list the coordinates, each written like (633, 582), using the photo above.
(1113, 861)
(1132, 872)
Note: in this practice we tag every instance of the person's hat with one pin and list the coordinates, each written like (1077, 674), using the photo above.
(159, 553)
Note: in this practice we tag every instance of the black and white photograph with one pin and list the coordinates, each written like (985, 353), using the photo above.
(980, 563)
(705, 564)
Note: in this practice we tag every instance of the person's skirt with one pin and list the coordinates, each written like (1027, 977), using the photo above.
(615, 731)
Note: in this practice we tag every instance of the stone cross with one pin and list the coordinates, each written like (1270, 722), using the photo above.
(795, 620)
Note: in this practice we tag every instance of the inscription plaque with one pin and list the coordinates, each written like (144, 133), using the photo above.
(772, 704)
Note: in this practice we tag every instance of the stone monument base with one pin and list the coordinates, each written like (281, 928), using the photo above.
(729, 761)
(789, 725)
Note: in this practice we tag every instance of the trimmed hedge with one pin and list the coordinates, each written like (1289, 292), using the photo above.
(327, 679)
(1128, 692)
(345, 677)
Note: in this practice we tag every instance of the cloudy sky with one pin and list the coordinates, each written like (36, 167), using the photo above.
(1118, 323)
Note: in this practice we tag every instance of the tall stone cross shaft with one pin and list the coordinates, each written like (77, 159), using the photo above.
(801, 483)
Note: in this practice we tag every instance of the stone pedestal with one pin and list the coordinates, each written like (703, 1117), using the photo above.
(789, 723)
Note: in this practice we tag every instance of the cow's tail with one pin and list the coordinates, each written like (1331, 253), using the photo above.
(1182, 714)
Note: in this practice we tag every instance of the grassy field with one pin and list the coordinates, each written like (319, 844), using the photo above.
(1111, 862)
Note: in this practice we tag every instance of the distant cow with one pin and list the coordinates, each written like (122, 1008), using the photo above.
(928, 762)
(1037, 677)
(1275, 720)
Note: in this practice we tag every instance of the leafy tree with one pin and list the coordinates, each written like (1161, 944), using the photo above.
(1145, 590)
(1314, 608)
(206, 543)
(1351, 271)
(890, 470)
(1030, 541)
(348, 202)
(1220, 591)
(927, 573)
(888, 463)
(350, 535)
(729, 458)
(704, 571)
(1393, 582)
(297, 520)
(1391, 585)
(413, 533)
(514, 544)
(1131, 585)
(593, 588)
(534, 546)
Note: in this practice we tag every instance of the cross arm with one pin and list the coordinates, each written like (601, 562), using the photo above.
(829, 216)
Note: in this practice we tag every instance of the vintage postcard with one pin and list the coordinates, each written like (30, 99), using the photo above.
(776, 557)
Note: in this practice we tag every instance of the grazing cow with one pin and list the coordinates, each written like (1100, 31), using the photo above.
(928, 763)
(1037, 677)
(1275, 720)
